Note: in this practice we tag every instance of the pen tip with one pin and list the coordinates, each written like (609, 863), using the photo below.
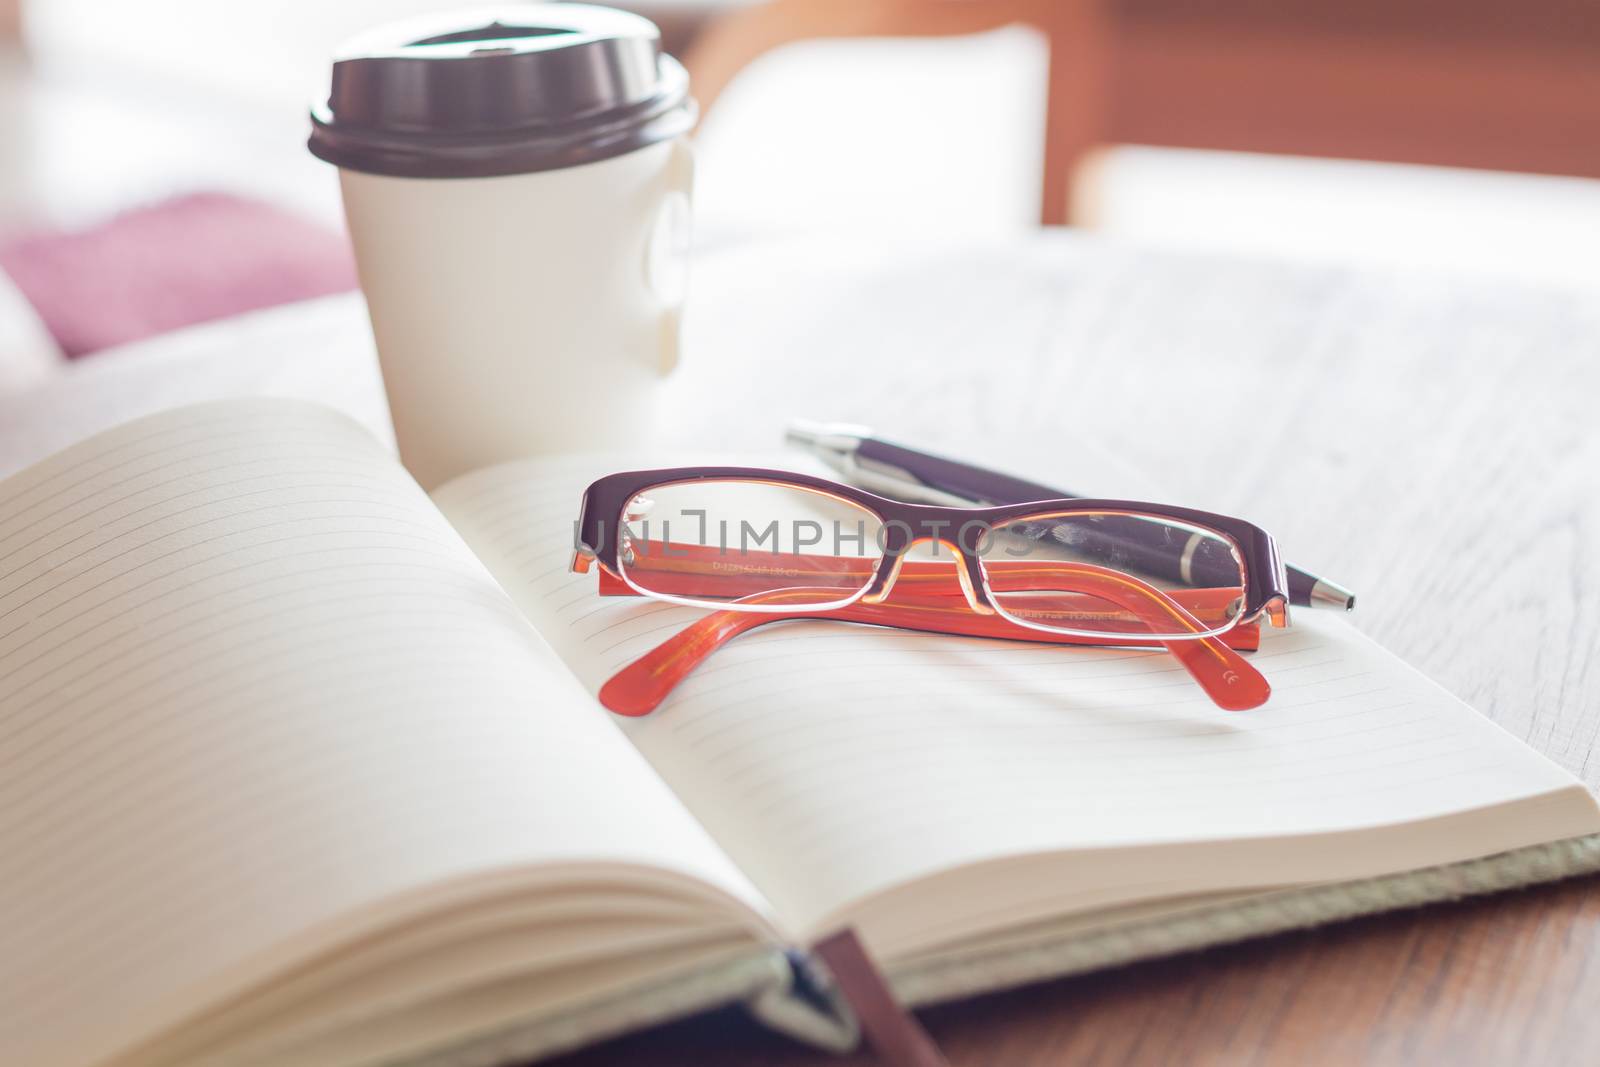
(823, 436)
(1326, 594)
(805, 433)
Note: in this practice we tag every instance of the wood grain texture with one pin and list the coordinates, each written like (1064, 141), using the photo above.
(1430, 441)
(1502, 980)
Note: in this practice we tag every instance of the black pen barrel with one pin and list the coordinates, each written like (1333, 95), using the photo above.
(1138, 544)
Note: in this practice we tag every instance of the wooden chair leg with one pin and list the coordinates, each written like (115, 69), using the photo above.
(1076, 102)
(10, 22)
(1077, 32)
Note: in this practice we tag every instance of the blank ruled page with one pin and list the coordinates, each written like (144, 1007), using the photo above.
(834, 761)
(251, 683)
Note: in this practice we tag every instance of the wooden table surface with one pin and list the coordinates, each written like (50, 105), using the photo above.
(1433, 443)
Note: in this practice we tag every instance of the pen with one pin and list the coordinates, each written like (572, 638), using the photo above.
(902, 473)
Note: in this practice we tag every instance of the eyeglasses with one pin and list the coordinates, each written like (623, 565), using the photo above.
(756, 546)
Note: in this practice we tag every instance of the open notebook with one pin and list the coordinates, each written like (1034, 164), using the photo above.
(300, 766)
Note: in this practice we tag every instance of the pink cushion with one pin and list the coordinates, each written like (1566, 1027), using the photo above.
(154, 269)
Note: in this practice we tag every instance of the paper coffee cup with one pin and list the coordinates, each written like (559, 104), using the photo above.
(516, 183)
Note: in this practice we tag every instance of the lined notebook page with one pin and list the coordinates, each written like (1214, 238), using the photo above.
(833, 761)
(251, 684)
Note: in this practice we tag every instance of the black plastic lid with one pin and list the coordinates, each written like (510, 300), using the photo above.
(507, 90)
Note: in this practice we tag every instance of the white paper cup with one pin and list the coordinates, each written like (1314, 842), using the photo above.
(517, 188)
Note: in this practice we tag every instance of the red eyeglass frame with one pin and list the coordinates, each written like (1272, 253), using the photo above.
(939, 597)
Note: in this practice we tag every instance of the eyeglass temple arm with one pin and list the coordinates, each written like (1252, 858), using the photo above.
(1231, 682)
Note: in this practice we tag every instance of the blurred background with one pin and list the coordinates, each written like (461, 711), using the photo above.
(1457, 135)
